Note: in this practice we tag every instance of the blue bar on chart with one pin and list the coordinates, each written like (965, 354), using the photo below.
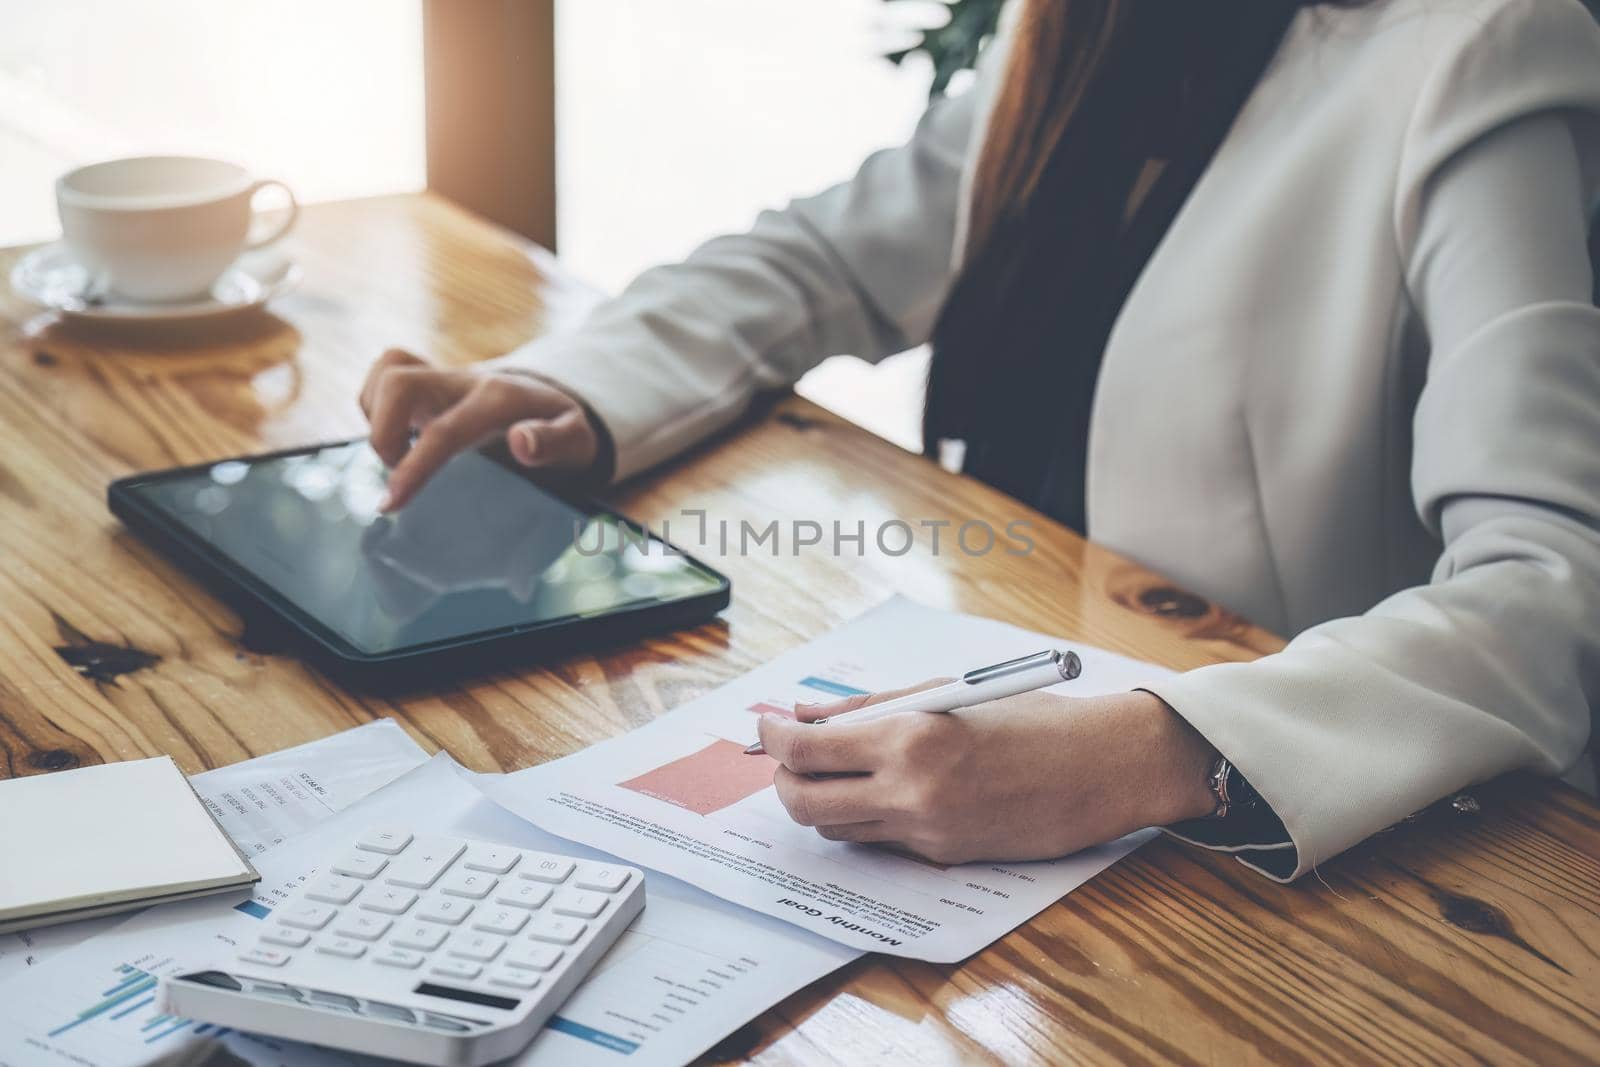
(131, 1008)
(134, 977)
(831, 687)
(174, 1028)
(590, 1034)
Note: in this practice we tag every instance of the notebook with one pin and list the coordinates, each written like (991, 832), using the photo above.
(98, 840)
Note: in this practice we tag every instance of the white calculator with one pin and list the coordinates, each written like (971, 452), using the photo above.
(433, 950)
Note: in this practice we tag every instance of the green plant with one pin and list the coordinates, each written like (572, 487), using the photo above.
(953, 47)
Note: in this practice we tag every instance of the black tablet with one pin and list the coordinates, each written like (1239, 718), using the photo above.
(483, 568)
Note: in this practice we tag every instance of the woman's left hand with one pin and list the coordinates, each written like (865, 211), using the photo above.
(1029, 777)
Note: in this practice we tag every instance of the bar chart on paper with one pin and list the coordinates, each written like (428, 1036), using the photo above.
(117, 1021)
(130, 1001)
(679, 795)
(718, 774)
(96, 1005)
(733, 792)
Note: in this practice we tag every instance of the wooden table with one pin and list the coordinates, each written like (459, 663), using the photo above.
(1452, 938)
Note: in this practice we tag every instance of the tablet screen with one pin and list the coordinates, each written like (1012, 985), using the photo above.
(480, 548)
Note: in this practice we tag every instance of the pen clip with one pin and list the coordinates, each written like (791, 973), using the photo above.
(1066, 664)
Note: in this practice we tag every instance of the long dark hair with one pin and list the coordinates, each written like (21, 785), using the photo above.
(1108, 112)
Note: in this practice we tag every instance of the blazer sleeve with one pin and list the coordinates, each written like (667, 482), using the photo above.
(859, 269)
(1494, 665)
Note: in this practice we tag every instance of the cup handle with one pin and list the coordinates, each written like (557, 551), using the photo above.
(288, 219)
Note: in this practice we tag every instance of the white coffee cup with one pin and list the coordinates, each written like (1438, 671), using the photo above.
(162, 228)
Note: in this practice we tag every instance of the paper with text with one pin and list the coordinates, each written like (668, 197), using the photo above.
(690, 968)
(680, 796)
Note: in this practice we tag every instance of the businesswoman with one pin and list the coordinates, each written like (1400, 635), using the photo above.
(1287, 301)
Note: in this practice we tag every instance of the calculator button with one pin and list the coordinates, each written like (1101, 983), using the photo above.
(399, 957)
(389, 842)
(341, 946)
(308, 916)
(580, 905)
(469, 885)
(501, 921)
(421, 936)
(604, 879)
(360, 865)
(491, 859)
(334, 890)
(550, 869)
(445, 911)
(424, 861)
(535, 958)
(515, 980)
(555, 929)
(267, 957)
(458, 969)
(389, 901)
(481, 947)
(521, 894)
(286, 937)
(363, 927)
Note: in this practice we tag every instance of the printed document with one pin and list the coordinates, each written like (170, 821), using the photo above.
(259, 802)
(688, 971)
(680, 796)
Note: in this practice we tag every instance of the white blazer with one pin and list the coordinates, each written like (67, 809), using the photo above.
(1355, 394)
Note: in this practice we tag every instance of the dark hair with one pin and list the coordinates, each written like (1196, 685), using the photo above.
(1098, 97)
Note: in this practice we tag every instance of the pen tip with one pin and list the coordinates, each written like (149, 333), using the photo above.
(755, 750)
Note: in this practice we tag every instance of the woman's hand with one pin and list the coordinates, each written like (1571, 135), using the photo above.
(1029, 777)
(453, 410)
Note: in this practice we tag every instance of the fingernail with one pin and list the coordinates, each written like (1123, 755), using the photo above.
(755, 750)
(530, 441)
(387, 503)
(806, 704)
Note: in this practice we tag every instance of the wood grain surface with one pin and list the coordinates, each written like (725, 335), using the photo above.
(1450, 939)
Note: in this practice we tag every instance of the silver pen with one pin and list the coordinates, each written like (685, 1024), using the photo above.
(1021, 675)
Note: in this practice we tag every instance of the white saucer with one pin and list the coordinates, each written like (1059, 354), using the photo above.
(51, 278)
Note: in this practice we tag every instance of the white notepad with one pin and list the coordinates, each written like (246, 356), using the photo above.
(97, 840)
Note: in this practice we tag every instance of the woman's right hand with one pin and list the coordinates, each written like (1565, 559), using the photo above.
(453, 410)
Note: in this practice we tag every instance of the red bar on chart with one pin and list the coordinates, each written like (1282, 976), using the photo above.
(772, 709)
(718, 776)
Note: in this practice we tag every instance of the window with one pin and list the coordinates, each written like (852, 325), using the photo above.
(679, 121)
(326, 96)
